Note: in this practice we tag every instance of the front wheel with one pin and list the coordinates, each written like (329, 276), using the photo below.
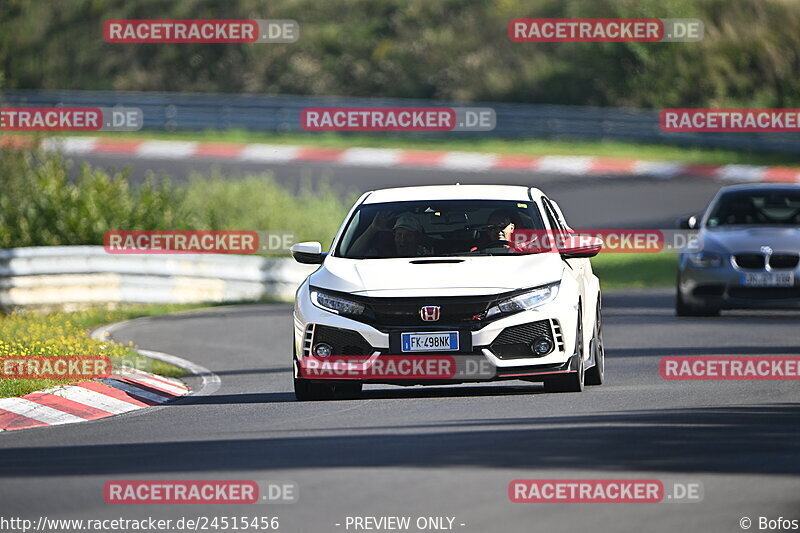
(684, 309)
(306, 391)
(596, 375)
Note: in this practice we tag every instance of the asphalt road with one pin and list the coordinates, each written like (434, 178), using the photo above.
(448, 451)
(443, 451)
(588, 202)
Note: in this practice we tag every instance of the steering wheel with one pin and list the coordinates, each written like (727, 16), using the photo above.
(493, 244)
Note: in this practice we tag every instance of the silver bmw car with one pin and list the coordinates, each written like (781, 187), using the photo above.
(749, 252)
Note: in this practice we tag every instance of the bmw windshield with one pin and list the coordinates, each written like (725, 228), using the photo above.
(439, 228)
(776, 207)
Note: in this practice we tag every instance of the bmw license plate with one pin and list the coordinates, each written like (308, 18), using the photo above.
(430, 342)
(768, 279)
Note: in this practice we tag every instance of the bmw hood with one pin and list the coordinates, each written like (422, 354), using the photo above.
(735, 239)
(430, 276)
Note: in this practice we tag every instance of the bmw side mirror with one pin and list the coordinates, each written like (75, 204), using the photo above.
(687, 222)
(308, 253)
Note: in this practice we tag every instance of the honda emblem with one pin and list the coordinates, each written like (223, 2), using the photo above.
(429, 313)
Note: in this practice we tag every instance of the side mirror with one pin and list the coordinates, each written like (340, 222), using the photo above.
(580, 246)
(687, 222)
(309, 253)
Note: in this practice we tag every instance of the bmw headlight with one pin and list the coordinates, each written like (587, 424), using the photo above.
(336, 304)
(705, 259)
(529, 300)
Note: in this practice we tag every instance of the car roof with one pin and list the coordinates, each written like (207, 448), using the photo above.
(760, 187)
(452, 192)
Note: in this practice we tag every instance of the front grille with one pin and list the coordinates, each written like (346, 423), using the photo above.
(344, 341)
(758, 261)
(515, 341)
(458, 312)
(765, 293)
(750, 261)
(784, 261)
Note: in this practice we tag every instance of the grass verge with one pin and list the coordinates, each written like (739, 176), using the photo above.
(626, 271)
(531, 147)
(62, 333)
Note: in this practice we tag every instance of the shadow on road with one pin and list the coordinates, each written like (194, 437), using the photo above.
(758, 439)
(664, 351)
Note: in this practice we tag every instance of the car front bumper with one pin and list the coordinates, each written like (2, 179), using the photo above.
(557, 319)
(723, 287)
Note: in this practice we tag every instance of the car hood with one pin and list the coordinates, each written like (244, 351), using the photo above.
(437, 276)
(736, 239)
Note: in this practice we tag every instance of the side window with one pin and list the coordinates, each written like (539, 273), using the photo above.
(560, 216)
(552, 218)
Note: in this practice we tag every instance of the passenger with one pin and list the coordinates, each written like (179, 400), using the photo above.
(407, 238)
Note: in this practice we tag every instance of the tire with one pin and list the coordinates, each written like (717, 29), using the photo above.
(596, 374)
(572, 382)
(347, 390)
(306, 391)
(684, 309)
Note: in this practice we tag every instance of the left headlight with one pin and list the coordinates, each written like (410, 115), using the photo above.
(529, 300)
(705, 259)
(336, 304)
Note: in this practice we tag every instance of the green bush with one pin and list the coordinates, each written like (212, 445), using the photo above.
(257, 202)
(448, 49)
(41, 206)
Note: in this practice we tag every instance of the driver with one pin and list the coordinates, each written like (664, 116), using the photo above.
(501, 224)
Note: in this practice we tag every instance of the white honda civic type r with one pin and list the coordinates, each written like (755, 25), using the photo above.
(440, 271)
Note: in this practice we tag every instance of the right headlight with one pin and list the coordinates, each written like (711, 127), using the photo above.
(336, 304)
(705, 259)
(529, 300)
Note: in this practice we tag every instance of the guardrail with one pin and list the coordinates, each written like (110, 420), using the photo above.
(67, 275)
(281, 113)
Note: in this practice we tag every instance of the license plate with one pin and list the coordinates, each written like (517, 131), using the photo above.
(768, 279)
(430, 342)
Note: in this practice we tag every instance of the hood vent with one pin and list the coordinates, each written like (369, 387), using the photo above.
(435, 261)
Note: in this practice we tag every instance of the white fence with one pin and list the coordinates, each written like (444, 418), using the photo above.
(64, 275)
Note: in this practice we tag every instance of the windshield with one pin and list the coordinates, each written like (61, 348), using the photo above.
(437, 228)
(757, 208)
